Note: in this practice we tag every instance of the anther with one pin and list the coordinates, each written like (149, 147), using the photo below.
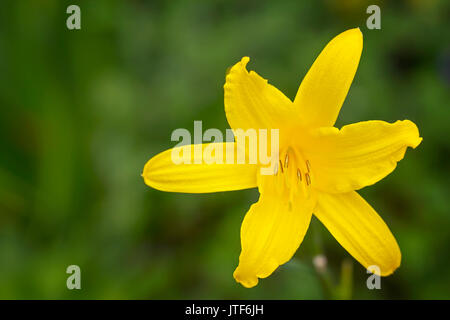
(308, 179)
(308, 165)
(286, 160)
(299, 175)
(281, 166)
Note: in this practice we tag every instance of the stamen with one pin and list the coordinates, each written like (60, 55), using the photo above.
(308, 165)
(308, 179)
(299, 175)
(286, 160)
(281, 166)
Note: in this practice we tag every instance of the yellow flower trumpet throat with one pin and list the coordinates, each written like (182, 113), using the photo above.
(318, 171)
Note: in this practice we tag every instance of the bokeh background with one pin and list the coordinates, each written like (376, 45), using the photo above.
(82, 111)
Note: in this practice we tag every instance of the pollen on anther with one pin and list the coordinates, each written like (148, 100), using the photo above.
(286, 160)
(299, 175)
(308, 178)
(308, 166)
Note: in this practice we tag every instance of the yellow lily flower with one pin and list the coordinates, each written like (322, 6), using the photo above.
(320, 166)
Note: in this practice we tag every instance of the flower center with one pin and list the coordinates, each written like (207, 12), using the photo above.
(293, 174)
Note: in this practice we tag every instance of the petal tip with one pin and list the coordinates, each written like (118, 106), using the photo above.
(245, 60)
(416, 143)
(391, 263)
(353, 37)
(246, 280)
(358, 30)
(355, 34)
(416, 139)
(145, 174)
(149, 171)
(355, 31)
(237, 68)
(390, 271)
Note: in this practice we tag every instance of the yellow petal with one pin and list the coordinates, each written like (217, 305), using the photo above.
(210, 175)
(271, 232)
(325, 86)
(359, 154)
(359, 229)
(250, 102)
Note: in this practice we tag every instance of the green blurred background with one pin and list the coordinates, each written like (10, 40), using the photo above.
(82, 111)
